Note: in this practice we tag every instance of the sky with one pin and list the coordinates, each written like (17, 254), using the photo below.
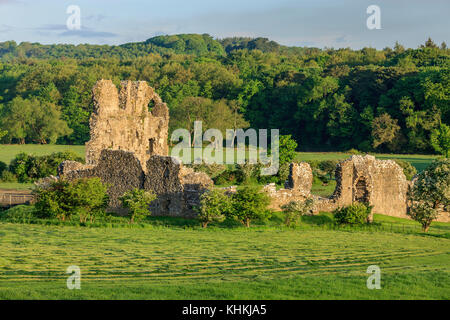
(313, 23)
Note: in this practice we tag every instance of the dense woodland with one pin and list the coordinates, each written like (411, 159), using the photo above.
(390, 100)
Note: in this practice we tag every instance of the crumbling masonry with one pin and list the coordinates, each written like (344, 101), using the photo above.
(128, 149)
(381, 183)
(122, 121)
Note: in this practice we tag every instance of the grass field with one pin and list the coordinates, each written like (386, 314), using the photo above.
(263, 262)
(417, 160)
(9, 151)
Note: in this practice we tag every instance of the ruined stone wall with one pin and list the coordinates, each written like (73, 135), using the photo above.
(121, 170)
(122, 121)
(381, 183)
(297, 188)
(178, 188)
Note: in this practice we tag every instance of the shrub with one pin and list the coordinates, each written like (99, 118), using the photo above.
(20, 213)
(430, 193)
(319, 175)
(295, 209)
(3, 167)
(214, 204)
(138, 202)
(226, 177)
(287, 149)
(249, 203)
(245, 172)
(283, 173)
(408, 169)
(29, 168)
(63, 199)
(52, 202)
(8, 176)
(354, 151)
(211, 170)
(357, 213)
(19, 167)
(88, 198)
(329, 167)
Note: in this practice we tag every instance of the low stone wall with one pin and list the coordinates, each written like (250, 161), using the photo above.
(381, 183)
(178, 188)
(297, 188)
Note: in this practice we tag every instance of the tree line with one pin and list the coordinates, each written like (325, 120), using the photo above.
(390, 100)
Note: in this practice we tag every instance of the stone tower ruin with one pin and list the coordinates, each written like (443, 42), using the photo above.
(122, 121)
(128, 149)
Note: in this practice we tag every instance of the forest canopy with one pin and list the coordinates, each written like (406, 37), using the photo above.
(390, 100)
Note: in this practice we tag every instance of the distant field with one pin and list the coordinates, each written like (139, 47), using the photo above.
(417, 160)
(235, 263)
(8, 152)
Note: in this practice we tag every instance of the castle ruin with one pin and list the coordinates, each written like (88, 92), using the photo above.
(128, 149)
(122, 121)
(380, 183)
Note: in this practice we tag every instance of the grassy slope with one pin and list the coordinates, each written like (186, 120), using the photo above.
(260, 263)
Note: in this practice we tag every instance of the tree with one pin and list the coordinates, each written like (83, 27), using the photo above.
(429, 44)
(138, 202)
(88, 198)
(328, 166)
(249, 203)
(76, 116)
(220, 115)
(3, 133)
(46, 123)
(384, 129)
(408, 169)
(440, 139)
(35, 119)
(430, 193)
(214, 204)
(295, 209)
(287, 149)
(63, 199)
(357, 213)
(51, 201)
(17, 116)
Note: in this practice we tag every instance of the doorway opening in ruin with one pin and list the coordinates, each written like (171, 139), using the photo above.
(361, 192)
(151, 146)
(167, 205)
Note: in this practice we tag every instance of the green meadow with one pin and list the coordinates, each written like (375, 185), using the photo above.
(176, 260)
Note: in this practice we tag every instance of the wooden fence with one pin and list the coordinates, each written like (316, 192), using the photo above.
(9, 199)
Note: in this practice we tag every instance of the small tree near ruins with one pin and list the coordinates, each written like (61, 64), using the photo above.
(430, 193)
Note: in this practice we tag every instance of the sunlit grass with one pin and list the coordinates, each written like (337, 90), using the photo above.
(232, 263)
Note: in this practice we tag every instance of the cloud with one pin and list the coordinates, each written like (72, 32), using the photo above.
(85, 32)
(95, 17)
(52, 27)
(8, 2)
(5, 28)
